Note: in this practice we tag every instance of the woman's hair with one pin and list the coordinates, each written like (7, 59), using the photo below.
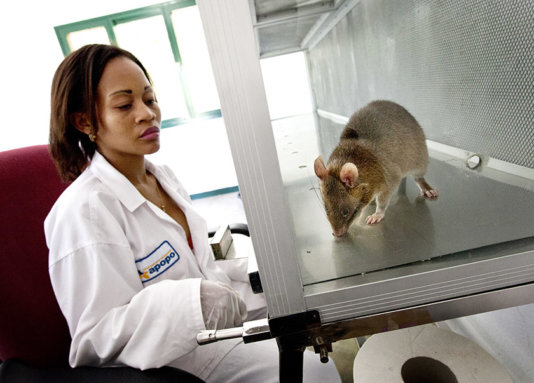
(75, 90)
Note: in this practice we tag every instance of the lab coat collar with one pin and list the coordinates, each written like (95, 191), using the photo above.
(130, 197)
(117, 182)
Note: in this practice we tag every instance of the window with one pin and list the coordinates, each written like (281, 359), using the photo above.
(169, 40)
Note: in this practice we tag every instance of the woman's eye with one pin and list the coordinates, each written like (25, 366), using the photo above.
(124, 107)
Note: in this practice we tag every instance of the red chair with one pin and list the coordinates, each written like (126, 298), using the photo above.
(34, 337)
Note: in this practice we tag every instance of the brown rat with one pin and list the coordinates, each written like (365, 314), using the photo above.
(381, 144)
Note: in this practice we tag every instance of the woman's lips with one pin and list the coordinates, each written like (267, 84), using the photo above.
(150, 134)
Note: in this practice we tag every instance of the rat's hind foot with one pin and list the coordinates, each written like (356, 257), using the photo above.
(374, 218)
(431, 194)
(426, 190)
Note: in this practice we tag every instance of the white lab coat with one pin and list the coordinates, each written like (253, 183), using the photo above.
(126, 279)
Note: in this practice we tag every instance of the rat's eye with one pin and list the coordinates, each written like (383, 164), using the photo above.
(345, 212)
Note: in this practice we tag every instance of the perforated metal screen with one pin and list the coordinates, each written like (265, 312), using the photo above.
(463, 68)
(292, 33)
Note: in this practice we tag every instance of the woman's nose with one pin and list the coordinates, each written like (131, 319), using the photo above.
(145, 113)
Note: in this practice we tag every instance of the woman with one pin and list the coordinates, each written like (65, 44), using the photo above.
(130, 263)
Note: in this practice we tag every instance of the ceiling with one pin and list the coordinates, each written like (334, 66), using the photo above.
(285, 26)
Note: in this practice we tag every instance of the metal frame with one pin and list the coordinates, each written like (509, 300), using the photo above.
(350, 298)
(232, 47)
(321, 337)
(413, 316)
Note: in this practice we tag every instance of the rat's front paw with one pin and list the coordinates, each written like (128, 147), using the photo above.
(374, 219)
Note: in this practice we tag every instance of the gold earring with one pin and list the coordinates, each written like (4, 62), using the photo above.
(92, 137)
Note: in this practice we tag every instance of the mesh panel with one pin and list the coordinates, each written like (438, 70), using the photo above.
(293, 33)
(463, 68)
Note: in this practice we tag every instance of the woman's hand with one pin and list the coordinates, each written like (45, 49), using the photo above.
(221, 305)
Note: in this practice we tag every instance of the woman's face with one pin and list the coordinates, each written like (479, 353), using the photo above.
(128, 115)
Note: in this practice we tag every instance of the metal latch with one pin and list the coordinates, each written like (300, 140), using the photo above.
(252, 331)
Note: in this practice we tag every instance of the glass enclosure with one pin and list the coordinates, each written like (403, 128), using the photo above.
(465, 71)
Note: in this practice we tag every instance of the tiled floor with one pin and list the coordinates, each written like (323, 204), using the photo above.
(228, 208)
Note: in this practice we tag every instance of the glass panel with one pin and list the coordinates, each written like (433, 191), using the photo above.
(469, 93)
(148, 40)
(453, 70)
(195, 59)
(78, 39)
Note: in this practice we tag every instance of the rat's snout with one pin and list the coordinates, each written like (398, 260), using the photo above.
(339, 232)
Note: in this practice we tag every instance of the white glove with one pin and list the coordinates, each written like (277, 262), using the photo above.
(221, 305)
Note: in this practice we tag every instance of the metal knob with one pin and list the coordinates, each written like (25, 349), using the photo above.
(473, 161)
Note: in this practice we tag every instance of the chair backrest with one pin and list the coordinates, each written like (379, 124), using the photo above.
(32, 327)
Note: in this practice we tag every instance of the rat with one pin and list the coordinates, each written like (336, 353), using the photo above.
(381, 144)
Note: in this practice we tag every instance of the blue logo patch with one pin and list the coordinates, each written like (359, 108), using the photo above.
(157, 262)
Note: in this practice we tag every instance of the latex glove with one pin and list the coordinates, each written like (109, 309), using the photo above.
(221, 305)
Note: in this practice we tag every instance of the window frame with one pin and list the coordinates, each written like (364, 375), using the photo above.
(111, 20)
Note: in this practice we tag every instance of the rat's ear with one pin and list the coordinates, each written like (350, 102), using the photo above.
(81, 122)
(349, 174)
(320, 168)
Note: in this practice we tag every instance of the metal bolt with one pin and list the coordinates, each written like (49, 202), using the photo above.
(473, 161)
(323, 354)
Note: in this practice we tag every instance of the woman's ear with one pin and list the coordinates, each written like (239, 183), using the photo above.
(81, 122)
